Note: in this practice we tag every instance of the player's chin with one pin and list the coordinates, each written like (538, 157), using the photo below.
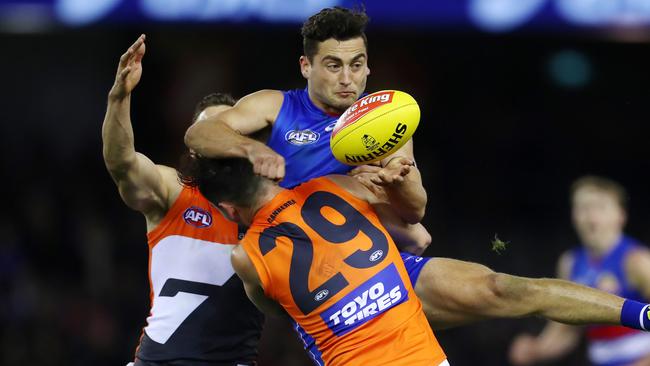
(344, 101)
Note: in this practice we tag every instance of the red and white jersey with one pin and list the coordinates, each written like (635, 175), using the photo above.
(199, 309)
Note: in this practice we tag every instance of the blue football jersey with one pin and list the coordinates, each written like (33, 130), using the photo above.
(301, 134)
(610, 345)
(606, 273)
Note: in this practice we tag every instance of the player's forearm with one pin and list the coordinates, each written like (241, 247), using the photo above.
(117, 135)
(216, 139)
(409, 198)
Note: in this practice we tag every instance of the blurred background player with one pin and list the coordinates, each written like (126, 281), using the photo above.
(199, 312)
(608, 260)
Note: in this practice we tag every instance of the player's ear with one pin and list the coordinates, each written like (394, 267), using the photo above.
(305, 67)
(367, 70)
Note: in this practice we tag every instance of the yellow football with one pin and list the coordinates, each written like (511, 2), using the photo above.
(374, 127)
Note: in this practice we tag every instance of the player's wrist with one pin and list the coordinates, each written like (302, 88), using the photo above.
(117, 96)
(635, 315)
(249, 148)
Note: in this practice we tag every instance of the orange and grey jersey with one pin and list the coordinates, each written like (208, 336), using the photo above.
(199, 309)
(323, 255)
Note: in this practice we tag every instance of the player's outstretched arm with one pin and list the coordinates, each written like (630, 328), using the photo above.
(144, 186)
(252, 284)
(402, 182)
(227, 134)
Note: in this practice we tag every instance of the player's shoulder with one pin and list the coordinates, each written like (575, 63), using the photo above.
(266, 96)
(169, 177)
(265, 103)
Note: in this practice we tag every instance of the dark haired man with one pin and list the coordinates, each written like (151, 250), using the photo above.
(322, 254)
(608, 260)
(199, 312)
(318, 251)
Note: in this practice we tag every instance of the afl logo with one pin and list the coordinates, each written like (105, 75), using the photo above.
(302, 137)
(369, 142)
(376, 255)
(198, 217)
(321, 295)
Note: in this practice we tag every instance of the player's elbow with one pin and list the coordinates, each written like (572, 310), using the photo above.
(422, 241)
(416, 240)
(414, 212)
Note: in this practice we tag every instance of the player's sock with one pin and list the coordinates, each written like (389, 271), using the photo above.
(636, 315)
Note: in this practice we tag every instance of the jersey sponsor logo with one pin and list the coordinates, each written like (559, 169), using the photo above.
(362, 107)
(302, 137)
(196, 216)
(382, 292)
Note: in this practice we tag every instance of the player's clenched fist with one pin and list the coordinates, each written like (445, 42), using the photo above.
(266, 162)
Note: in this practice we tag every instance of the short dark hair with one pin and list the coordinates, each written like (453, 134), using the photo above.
(601, 184)
(211, 100)
(223, 179)
(339, 23)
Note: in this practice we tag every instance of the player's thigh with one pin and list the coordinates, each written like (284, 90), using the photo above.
(451, 291)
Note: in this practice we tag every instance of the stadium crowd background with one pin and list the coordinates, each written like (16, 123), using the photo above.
(508, 121)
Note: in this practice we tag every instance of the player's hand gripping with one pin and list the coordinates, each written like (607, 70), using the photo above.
(392, 174)
(266, 162)
(129, 70)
